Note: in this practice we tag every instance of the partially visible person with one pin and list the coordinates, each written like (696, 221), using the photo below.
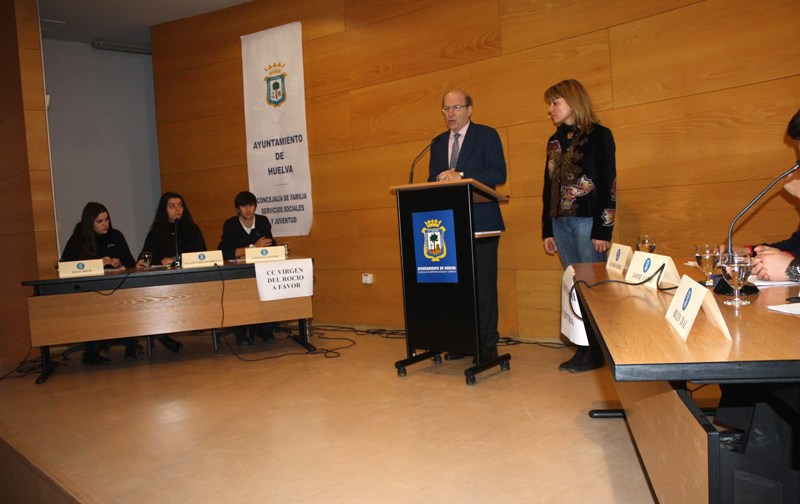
(95, 238)
(781, 261)
(172, 233)
(580, 192)
(245, 230)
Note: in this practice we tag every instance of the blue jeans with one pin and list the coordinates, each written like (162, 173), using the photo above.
(573, 237)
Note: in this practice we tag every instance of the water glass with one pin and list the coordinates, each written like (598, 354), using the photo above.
(147, 259)
(736, 270)
(707, 257)
(646, 243)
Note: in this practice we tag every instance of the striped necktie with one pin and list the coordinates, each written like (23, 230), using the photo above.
(454, 154)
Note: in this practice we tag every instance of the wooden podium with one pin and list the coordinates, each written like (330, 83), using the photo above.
(437, 255)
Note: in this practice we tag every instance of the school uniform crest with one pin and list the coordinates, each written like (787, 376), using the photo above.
(276, 84)
(434, 247)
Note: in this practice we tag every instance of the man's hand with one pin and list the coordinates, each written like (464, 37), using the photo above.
(772, 266)
(263, 242)
(451, 174)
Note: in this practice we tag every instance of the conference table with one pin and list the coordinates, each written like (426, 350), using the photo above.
(651, 365)
(135, 303)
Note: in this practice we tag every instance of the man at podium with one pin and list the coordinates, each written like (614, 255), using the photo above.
(469, 150)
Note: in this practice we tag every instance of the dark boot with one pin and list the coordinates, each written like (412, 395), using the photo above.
(170, 344)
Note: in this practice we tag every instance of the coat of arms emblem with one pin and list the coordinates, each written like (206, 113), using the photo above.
(434, 247)
(276, 84)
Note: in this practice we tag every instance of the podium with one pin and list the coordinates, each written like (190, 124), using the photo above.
(437, 255)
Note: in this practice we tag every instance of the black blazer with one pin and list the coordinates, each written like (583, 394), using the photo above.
(481, 158)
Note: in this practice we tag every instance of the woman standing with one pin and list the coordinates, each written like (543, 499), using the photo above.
(172, 233)
(580, 191)
(95, 238)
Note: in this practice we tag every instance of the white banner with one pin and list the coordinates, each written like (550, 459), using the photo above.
(275, 122)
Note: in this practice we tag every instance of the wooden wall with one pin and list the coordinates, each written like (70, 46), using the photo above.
(697, 93)
(27, 220)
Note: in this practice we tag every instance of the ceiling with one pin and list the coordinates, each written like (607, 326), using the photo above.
(122, 21)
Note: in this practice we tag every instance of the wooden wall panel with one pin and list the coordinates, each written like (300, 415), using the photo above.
(361, 178)
(379, 239)
(363, 12)
(15, 208)
(202, 144)
(13, 146)
(341, 298)
(14, 314)
(539, 303)
(196, 93)
(30, 65)
(328, 124)
(715, 44)
(27, 24)
(696, 139)
(527, 153)
(46, 251)
(12, 278)
(682, 216)
(412, 44)
(530, 23)
(8, 30)
(209, 194)
(523, 237)
(332, 242)
(10, 87)
(37, 144)
(214, 37)
(507, 321)
(410, 108)
(211, 229)
(41, 190)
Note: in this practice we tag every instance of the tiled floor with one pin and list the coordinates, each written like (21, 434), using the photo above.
(205, 428)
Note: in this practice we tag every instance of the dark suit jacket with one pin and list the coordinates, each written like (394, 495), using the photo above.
(234, 236)
(481, 158)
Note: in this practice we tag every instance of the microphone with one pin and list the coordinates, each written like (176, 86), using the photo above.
(177, 261)
(730, 230)
(411, 175)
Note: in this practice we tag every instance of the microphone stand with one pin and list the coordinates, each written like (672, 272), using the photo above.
(730, 230)
(177, 261)
(411, 175)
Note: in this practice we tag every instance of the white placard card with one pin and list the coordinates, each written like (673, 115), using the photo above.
(201, 259)
(643, 265)
(70, 269)
(285, 279)
(255, 255)
(571, 327)
(619, 257)
(689, 298)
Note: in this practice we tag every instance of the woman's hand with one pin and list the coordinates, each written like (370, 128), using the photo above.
(140, 264)
(550, 245)
(600, 246)
(167, 261)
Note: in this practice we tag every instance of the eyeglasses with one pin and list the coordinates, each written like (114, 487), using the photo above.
(456, 108)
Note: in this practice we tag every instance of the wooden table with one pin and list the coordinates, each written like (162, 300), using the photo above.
(154, 302)
(651, 364)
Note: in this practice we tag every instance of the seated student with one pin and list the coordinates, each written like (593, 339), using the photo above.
(781, 261)
(172, 216)
(95, 238)
(245, 230)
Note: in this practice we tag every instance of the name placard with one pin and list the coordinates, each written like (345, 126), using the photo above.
(643, 265)
(201, 259)
(256, 255)
(71, 269)
(689, 298)
(619, 257)
(284, 280)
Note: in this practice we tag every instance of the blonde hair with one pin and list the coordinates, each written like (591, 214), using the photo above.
(578, 99)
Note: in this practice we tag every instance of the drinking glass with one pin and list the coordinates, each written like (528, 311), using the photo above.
(147, 258)
(55, 265)
(646, 243)
(707, 257)
(736, 270)
(286, 248)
